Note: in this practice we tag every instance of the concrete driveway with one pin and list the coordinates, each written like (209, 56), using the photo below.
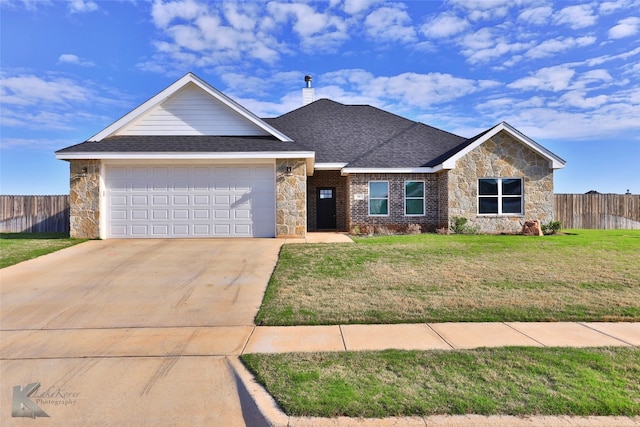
(132, 332)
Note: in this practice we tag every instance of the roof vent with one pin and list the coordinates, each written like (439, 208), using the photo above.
(308, 94)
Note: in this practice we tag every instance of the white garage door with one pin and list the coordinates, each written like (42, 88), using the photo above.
(190, 201)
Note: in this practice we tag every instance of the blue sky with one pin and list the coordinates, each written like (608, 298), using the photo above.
(567, 73)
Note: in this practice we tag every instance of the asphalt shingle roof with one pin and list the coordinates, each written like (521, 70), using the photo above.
(364, 136)
(184, 143)
(358, 135)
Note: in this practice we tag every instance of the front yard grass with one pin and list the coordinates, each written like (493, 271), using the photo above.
(18, 247)
(582, 275)
(507, 381)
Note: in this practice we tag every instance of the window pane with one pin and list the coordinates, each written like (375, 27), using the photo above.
(378, 207)
(379, 190)
(488, 205)
(512, 205)
(326, 194)
(414, 189)
(512, 187)
(488, 187)
(414, 207)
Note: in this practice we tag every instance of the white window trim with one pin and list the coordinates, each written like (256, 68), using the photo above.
(378, 198)
(500, 196)
(423, 198)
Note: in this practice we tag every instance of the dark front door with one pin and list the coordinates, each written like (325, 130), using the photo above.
(326, 204)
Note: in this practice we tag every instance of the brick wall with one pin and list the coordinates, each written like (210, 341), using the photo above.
(327, 179)
(359, 209)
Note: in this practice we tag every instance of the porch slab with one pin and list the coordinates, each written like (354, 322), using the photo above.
(381, 337)
(560, 334)
(284, 339)
(474, 335)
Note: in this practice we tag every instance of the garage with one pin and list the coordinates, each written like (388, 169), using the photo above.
(190, 201)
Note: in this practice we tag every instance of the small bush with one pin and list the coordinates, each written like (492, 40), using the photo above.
(459, 226)
(413, 229)
(383, 230)
(552, 227)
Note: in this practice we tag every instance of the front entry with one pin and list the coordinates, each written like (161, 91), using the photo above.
(326, 208)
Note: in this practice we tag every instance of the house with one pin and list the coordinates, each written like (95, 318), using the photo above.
(191, 162)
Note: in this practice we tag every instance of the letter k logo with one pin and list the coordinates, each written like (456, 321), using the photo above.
(23, 406)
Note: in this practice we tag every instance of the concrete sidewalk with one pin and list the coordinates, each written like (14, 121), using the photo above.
(440, 336)
(431, 336)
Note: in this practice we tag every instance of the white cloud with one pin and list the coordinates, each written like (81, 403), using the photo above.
(576, 17)
(82, 6)
(163, 13)
(69, 58)
(537, 15)
(560, 44)
(390, 24)
(626, 28)
(444, 26)
(486, 9)
(33, 90)
(487, 44)
(553, 79)
(579, 99)
(354, 7)
(607, 58)
(609, 7)
(306, 20)
(240, 19)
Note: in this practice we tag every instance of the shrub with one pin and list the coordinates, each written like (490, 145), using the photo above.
(552, 227)
(383, 230)
(459, 226)
(413, 229)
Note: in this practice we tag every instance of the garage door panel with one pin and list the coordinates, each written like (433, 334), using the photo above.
(160, 214)
(139, 214)
(201, 214)
(191, 201)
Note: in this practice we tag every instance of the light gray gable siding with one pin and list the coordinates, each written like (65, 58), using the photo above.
(191, 111)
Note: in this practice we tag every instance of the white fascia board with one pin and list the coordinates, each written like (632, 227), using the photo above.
(188, 156)
(330, 166)
(175, 87)
(347, 171)
(555, 162)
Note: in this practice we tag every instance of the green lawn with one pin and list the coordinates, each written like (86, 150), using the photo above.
(507, 381)
(18, 247)
(581, 275)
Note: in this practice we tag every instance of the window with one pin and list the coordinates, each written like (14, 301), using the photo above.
(414, 198)
(378, 198)
(326, 193)
(500, 196)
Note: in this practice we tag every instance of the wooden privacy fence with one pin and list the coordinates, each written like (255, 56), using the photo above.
(34, 214)
(598, 211)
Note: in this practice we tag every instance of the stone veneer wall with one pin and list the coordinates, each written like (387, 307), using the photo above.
(322, 179)
(84, 199)
(359, 209)
(291, 203)
(501, 157)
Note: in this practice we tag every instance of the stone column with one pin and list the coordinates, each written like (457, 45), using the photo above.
(291, 198)
(84, 199)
